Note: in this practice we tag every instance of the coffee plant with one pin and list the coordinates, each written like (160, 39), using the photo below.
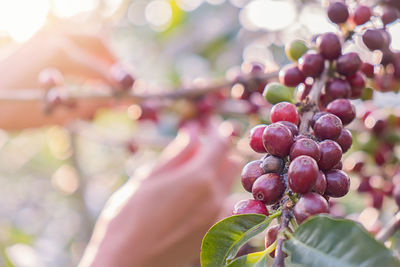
(301, 171)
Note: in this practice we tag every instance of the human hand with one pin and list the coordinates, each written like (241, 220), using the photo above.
(162, 220)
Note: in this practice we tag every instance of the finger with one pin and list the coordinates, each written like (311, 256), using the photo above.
(228, 174)
(181, 150)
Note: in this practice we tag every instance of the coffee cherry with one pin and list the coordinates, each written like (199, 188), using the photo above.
(320, 184)
(272, 164)
(367, 69)
(329, 46)
(328, 126)
(316, 117)
(389, 15)
(311, 64)
(388, 57)
(270, 237)
(250, 206)
(396, 194)
(331, 153)
(348, 64)
(308, 205)
(275, 92)
(302, 174)
(268, 188)
(337, 183)
(361, 15)
(338, 12)
(373, 39)
(132, 146)
(338, 88)
(291, 76)
(284, 111)
(277, 139)
(376, 198)
(344, 109)
(291, 126)
(256, 142)
(345, 140)
(295, 49)
(250, 173)
(122, 77)
(305, 146)
(338, 166)
(357, 82)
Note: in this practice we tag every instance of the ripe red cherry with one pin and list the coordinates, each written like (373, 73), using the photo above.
(272, 164)
(277, 139)
(342, 108)
(373, 39)
(361, 15)
(291, 126)
(250, 173)
(302, 174)
(357, 82)
(320, 184)
(123, 78)
(250, 206)
(270, 237)
(338, 12)
(329, 46)
(367, 69)
(284, 111)
(348, 64)
(337, 183)
(328, 126)
(256, 142)
(338, 166)
(338, 88)
(291, 76)
(316, 117)
(268, 188)
(388, 57)
(331, 153)
(305, 146)
(311, 64)
(345, 140)
(308, 205)
(389, 15)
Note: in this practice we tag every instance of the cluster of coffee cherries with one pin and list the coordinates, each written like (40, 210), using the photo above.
(374, 38)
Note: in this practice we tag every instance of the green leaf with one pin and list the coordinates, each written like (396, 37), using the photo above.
(224, 239)
(323, 241)
(256, 259)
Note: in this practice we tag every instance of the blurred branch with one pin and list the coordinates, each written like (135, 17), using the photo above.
(389, 229)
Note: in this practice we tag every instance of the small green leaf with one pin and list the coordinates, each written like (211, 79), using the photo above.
(256, 259)
(323, 241)
(223, 240)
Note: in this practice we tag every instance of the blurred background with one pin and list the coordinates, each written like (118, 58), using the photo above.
(55, 180)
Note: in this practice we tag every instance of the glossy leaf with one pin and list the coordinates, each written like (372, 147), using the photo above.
(323, 241)
(256, 259)
(224, 239)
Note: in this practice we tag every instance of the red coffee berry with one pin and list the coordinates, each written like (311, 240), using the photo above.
(329, 46)
(373, 39)
(328, 126)
(342, 108)
(316, 117)
(345, 140)
(308, 205)
(302, 174)
(270, 237)
(338, 12)
(284, 111)
(365, 185)
(122, 77)
(305, 146)
(338, 88)
(291, 76)
(389, 15)
(376, 198)
(250, 172)
(277, 139)
(348, 64)
(361, 15)
(320, 184)
(291, 126)
(272, 164)
(337, 183)
(331, 153)
(338, 166)
(311, 64)
(250, 206)
(367, 69)
(268, 188)
(256, 142)
(357, 82)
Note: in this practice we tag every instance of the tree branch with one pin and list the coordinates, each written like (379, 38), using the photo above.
(285, 219)
(389, 229)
